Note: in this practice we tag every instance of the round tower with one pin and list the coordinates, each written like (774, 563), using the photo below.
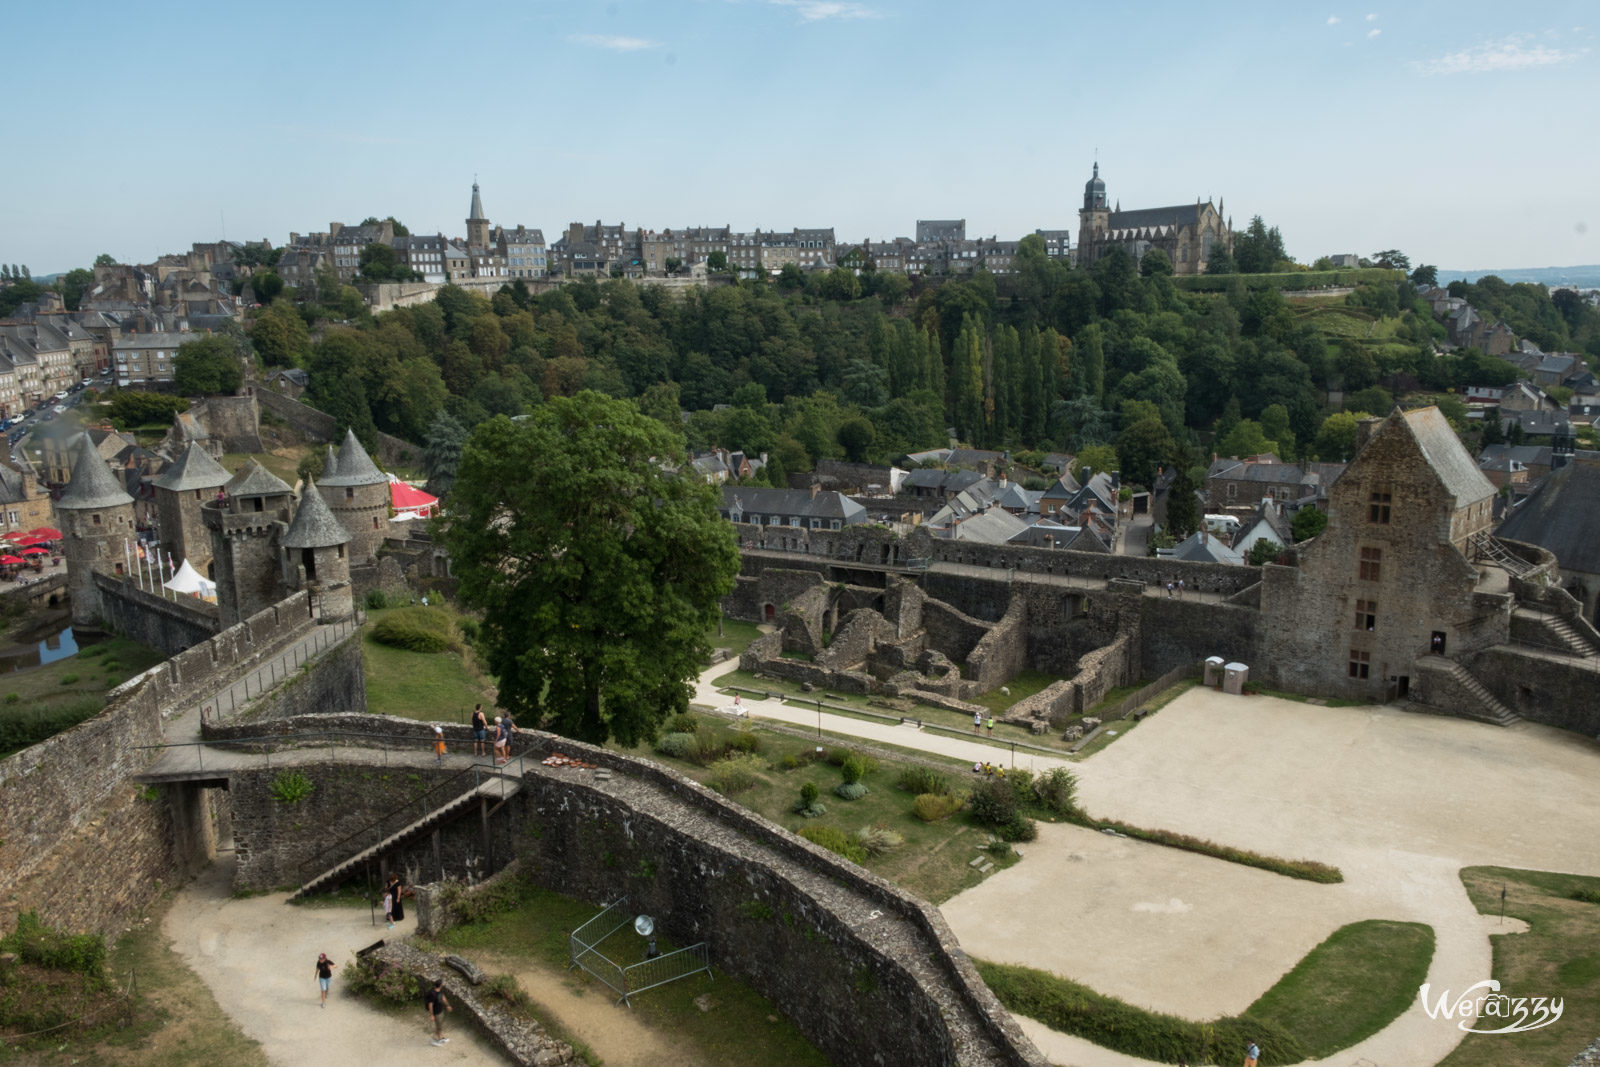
(181, 490)
(245, 524)
(315, 557)
(358, 494)
(96, 516)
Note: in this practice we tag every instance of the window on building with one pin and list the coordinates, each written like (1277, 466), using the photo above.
(96, 519)
(1360, 664)
(1370, 560)
(1366, 614)
(349, 494)
(1378, 509)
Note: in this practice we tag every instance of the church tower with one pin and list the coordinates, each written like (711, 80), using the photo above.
(96, 516)
(1094, 218)
(477, 225)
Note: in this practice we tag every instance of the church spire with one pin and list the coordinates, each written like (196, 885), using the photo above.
(477, 205)
(477, 224)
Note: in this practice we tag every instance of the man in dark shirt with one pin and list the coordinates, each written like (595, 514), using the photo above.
(437, 1004)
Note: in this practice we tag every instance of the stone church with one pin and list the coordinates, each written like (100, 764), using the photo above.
(1187, 233)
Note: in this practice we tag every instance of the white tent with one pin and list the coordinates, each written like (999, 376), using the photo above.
(188, 580)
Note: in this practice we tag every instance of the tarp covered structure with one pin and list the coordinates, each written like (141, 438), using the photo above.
(188, 580)
(411, 502)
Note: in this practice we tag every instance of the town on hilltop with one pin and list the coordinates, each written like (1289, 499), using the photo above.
(924, 637)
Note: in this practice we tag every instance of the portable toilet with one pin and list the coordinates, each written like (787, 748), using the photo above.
(1234, 677)
(1213, 671)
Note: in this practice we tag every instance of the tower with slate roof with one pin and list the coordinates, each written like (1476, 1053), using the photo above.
(477, 225)
(1186, 233)
(246, 527)
(358, 494)
(316, 559)
(96, 516)
(181, 491)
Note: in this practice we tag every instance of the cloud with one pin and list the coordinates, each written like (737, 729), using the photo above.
(818, 10)
(1333, 20)
(1373, 33)
(1372, 18)
(1492, 57)
(615, 44)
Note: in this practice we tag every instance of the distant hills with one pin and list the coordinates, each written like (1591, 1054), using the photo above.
(1584, 277)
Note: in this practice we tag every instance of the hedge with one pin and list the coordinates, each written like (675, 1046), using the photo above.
(1290, 280)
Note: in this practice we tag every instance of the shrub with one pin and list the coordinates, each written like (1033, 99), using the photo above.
(45, 946)
(1021, 782)
(837, 756)
(1588, 896)
(1058, 791)
(851, 769)
(850, 790)
(416, 630)
(993, 802)
(789, 763)
(683, 723)
(505, 987)
(918, 780)
(368, 977)
(834, 840)
(376, 600)
(931, 807)
(1019, 828)
(744, 742)
(483, 903)
(291, 787)
(808, 794)
(469, 630)
(69, 679)
(33, 723)
(12, 698)
(676, 745)
(735, 773)
(710, 745)
(877, 840)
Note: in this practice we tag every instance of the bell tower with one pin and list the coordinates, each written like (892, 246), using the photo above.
(477, 225)
(1094, 218)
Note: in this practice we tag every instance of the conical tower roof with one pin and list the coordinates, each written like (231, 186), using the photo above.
(314, 525)
(355, 467)
(330, 463)
(92, 487)
(477, 205)
(256, 480)
(195, 469)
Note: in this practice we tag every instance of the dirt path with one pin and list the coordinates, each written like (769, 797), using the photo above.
(256, 955)
(589, 1013)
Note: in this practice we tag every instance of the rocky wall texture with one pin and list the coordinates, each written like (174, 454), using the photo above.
(801, 620)
(334, 681)
(1549, 689)
(1001, 653)
(167, 625)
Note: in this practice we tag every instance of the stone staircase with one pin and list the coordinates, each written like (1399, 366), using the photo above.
(497, 789)
(1483, 706)
(1558, 632)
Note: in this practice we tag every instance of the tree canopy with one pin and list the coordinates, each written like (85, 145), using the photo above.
(597, 567)
(209, 364)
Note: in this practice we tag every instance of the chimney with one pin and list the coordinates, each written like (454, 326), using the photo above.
(1365, 429)
(815, 489)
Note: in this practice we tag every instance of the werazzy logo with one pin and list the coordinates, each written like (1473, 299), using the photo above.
(1484, 1001)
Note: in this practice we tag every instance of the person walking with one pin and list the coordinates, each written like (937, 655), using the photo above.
(325, 968)
(991, 726)
(1252, 1055)
(480, 730)
(437, 1004)
(511, 732)
(438, 745)
(977, 723)
(397, 889)
(499, 740)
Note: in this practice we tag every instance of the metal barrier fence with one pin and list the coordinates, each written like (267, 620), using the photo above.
(634, 978)
(266, 677)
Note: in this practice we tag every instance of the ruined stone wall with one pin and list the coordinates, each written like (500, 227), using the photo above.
(1001, 653)
(854, 641)
(233, 422)
(950, 631)
(167, 625)
(391, 452)
(801, 620)
(1178, 632)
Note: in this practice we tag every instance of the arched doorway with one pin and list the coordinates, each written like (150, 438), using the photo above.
(769, 612)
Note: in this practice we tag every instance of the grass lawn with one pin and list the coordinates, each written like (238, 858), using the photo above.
(934, 861)
(1346, 989)
(739, 1030)
(1362, 978)
(41, 701)
(735, 637)
(435, 686)
(1558, 957)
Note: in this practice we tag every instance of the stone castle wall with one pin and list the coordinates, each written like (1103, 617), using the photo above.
(165, 624)
(319, 425)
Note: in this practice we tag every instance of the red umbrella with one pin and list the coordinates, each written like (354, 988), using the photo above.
(46, 533)
(8, 561)
(35, 551)
(25, 539)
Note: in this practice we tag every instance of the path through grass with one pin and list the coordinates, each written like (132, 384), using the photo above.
(1559, 956)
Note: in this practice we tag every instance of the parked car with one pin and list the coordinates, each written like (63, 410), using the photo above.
(61, 396)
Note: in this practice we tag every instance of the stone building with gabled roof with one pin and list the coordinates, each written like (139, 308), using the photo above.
(1390, 581)
(358, 493)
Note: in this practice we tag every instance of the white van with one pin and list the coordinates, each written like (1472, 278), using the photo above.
(1222, 525)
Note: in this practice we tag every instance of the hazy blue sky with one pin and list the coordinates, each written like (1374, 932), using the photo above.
(1454, 131)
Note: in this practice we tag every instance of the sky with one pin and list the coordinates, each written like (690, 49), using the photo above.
(1452, 131)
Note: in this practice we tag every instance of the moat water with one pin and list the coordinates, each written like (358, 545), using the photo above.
(60, 644)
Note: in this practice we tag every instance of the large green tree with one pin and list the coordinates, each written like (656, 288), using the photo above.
(208, 365)
(597, 567)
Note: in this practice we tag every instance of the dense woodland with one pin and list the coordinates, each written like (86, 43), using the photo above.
(868, 366)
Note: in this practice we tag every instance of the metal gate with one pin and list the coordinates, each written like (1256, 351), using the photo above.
(628, 979)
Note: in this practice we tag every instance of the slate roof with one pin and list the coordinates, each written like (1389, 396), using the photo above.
(1561, 515)
(92, 486)
(314, 525)
(753, 500)
(355, 466)
(256, 480)
(1201, 547)
(1450, 461)
(993, 527)
(195, 469)
(1178, 215)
